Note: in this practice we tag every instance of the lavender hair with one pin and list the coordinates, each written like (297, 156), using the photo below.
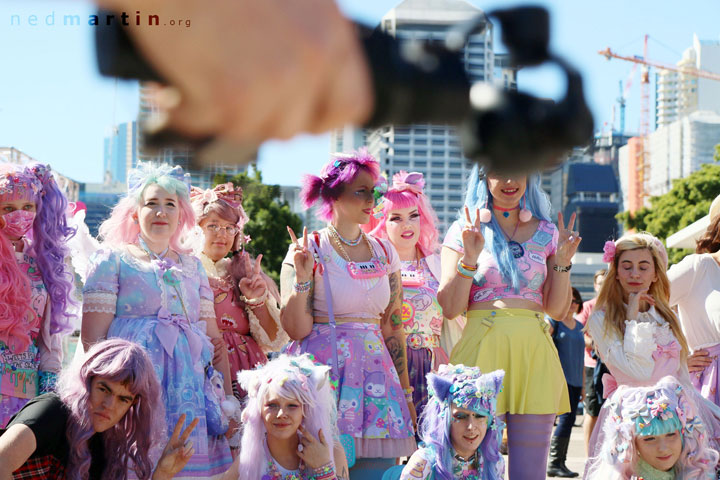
(434, 430)
(127, 443)
(120, 230)
(317, 400)
(341, 170)
(399, 197)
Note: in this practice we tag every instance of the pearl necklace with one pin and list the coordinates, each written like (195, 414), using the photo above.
(349, 243)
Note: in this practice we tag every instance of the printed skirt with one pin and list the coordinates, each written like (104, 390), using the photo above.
(371, 403)
(518, 341)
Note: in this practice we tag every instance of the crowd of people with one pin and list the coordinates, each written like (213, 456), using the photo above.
(387, 350)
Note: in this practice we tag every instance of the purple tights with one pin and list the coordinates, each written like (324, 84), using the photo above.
(528, 445)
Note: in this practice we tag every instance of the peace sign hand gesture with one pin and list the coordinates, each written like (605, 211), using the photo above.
(252, 285)
(176, 453)
(568, 241)
(472, 237)
(302, 257)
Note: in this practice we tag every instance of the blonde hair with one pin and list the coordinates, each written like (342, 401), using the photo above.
(610, 298)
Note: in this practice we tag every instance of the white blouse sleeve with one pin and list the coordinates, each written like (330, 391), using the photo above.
(682, 277)
(631, 355)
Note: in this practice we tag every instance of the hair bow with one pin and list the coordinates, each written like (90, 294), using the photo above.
(413, 181)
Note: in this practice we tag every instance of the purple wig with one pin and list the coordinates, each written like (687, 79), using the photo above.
(341, 170)
(127, 443)
(120, 230)
(407, 191)
(296, 378)
(465, 387)
(50, 233)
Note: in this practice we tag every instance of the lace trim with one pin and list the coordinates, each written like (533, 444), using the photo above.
(102, 302)
(207, 308)
(98, 309)
(188, 263)
(259, 333)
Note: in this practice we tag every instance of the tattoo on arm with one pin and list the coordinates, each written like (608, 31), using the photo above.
(309, 302)
(344, 474)
(395, 289)
(397, 353)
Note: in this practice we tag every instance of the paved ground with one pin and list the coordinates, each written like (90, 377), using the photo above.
(576, 452)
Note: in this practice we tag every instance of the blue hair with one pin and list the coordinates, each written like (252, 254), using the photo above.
(658, 426)
(535, 200)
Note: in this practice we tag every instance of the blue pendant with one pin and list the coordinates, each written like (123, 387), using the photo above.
(506, 214)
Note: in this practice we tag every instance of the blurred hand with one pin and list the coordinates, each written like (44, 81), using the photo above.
(699, 360)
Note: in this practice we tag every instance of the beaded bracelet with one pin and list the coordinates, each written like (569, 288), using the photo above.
(324, 472)
(254, 302)
(463, 271)
(408, 393)
(302, 287)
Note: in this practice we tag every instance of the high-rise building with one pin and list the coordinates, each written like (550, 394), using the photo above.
(120, 152)
(433, 150)
(69, 186)
(182, 156)
(678, 94)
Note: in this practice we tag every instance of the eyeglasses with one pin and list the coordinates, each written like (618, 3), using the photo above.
(231, 230)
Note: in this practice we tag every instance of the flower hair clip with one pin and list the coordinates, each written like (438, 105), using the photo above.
(381, 188)
(609, 251)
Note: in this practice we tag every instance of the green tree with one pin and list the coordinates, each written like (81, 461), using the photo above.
(268, 219)
(688, 201)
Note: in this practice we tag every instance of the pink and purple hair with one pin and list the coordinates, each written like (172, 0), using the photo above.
(129, 442)
(294, 378)
(334, 176)
(49, 235)
(120, 229)
(407, 191)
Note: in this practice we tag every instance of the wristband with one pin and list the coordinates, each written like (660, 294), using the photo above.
(254, 302)
(303, 287)
(463, 271)
(408, 393)
(472, 268)
(324, 472)
(560, 269)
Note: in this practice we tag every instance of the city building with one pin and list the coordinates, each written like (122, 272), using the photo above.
(120, 152)
(433, 150)
(678, 94)
(505, 74)
(291, 195)
(69, 186)
(676, 150)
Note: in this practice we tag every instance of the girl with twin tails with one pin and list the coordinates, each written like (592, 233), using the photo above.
(635, 332)
(35, 284)
(289, 422)
(654, 433)
(404, 216)
(507, 264)
(143, 286)
(246, 300)
(459, 428)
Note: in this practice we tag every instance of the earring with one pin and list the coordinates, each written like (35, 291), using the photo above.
(525, 214)
(485, 213)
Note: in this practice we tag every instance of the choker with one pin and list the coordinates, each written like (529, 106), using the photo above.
(506, 211)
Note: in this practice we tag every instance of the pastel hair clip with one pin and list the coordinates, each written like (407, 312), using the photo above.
(381, 188)
(609, 251)
(146, 173)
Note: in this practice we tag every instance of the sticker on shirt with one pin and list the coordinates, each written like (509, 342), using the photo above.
(412, 278)
(542, 238)
(482, 295)
(536, 253)
(18, 374)
(421, 301)
(407, 311)
(536, 282)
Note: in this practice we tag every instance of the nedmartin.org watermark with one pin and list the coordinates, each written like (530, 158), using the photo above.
(54, 19)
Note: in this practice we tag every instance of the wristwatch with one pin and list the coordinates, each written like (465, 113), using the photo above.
(560, 269)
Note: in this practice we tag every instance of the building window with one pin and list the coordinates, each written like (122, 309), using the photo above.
(402, 141)
(401, 163)
(438, 131)
(455, 176)
(437, 198)
(455, 164)
(454, 154)
(420, 163)
(454, 186)
(420, 131)
(420, 141)
(438, 142)
(437, 174)
(399, 151)
(402, 131)
(421, 153)
(438, 164)
(454, 198)
(438, 153)
(436, 186)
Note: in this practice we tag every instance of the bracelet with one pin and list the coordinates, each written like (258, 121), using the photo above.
(254, 302)
(463, 271)
(560, 269)
(324, 472)
(303, 287)
(408, 393)
(47, 382)
(472, 268)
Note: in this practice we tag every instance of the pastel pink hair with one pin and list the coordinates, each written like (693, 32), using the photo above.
(340, 171)
(120, 229)
(404, 195)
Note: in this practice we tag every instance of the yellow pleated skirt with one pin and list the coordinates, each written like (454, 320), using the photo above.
(517, 341)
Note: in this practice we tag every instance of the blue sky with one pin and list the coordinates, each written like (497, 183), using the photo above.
(55, 107)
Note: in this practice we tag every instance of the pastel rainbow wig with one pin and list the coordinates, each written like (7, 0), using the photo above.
(469, 388)
(120, 229)
(341, 170)
(407, 191)
(294, 378)
(657, 410)
(128, 443)
(478, 195)
(48, 237)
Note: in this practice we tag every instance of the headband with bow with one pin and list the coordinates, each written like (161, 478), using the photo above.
(402, 182)
(227, 192)
(146, 173)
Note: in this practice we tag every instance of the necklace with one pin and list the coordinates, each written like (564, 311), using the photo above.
(360, 270)
(164, 264)
(506, 211)
(515, 248)
(349, 243)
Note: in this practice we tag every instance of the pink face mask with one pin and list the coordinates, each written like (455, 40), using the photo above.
(18, 222)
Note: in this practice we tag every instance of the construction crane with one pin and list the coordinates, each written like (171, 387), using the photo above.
(643, 153)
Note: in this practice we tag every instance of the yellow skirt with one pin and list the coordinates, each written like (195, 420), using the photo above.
(517, 341)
